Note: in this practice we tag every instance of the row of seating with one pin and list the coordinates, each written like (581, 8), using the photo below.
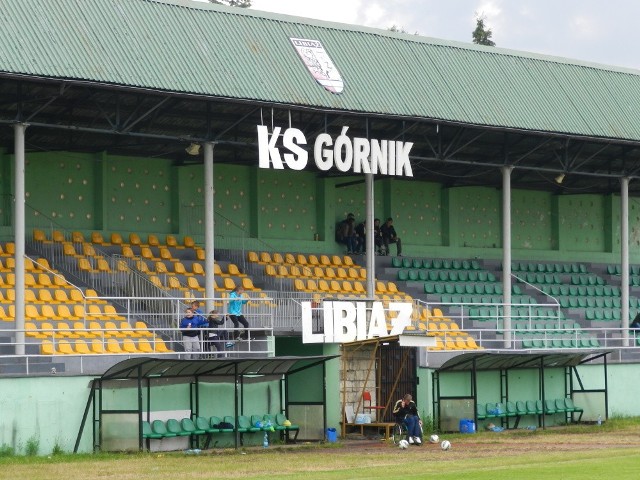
(479, 288)
(348, 288)
(473, 276)
(300, 259)
(31, 280)
(551, 340)
(454, 343)
(486, 299)
(51, 296)
(520, 408)
(435, 264)
(58, 236)
(328, 273)
(186, 427)
(582, 291)
(524, 312)
(62, 312)
(617, 270)
(108, 346)
(548, 267)
(93, 329)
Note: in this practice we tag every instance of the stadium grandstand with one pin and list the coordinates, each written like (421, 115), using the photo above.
(159, 152)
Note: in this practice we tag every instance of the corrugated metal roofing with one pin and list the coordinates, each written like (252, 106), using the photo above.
(197, 48)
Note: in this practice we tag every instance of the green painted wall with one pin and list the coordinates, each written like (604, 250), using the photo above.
(50, 408)
(284, 210)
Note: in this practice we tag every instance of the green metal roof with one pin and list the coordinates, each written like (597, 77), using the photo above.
(197, 48)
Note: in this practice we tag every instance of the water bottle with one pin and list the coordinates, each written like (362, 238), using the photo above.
(265, 440)
(599, 420)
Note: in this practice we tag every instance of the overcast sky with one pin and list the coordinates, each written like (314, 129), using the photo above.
(590, 30)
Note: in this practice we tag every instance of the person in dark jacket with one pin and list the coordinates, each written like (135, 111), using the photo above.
(405, 410)
(389, 236)
(217, 337)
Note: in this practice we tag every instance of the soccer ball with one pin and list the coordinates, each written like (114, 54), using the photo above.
(445, 445)
(403, 444)
(434, 438)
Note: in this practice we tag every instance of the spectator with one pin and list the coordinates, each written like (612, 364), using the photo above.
(389, 236)
(236, 301)
(361, 238)
(190, 326)
(217, 338)
(346, 233)
(195, 307)
(405, 410)
(377, 237)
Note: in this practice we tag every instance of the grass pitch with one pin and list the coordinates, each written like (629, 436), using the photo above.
(573, 452)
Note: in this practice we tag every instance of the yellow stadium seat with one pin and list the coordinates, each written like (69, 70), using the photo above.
(111, 330)
(325, 261)
(253, 257)
(347, 261)
(80, 329)
(31, 312)
(170, 241)
(153, 240)
(103, 266)
(30, 296)
(196, 269)
(247, 284)
(96, 237)
(193, 284)
(301, 259)
(44, 296)
(110, 310)
(134, 239)
(329, 273)
(232, 269)
(147, 254)
(188, 242)
(289, 258)
(77, 237)
(79, 312)
(57, 236)
(160, 268)
(165, 254)
(277, 258)
(65, 331)
(229, 284)
(49, 313)
(160, 346)
(31, 330)
(85, 266)
(336, 261)
(312, 285)
(97, 346)
(40, 236)
(81, 347)
(265, 257)
(313, 260)
(10, 249)
(127, 251)
(60, 281)
(173, 283)
(65, 348)
(46, 348)
(299, 284)
(200, 254)
(144, 346)
(178, 269)
(142, 266)
(116, 239)
(41, 264)
(8, 317)
(129, 346)
(142, 329)
(93, 296)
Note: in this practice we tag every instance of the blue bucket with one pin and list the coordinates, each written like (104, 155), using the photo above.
(467, 426)
(332, 435)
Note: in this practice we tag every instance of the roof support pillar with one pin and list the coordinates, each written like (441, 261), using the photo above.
(370, 246)
(624, 257)
(506, 252)
(209, 227)
(19, 233)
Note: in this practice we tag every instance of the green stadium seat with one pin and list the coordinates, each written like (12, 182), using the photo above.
(481, 411)
(403, 275)
(521, 408)
(396, 262)
(147, 432)
(532, 408)
(280, 419)
(426, 263)
(215, 422)
(416, 263)
(406, 262)
(413, 275)
(158, 427)
(173, 426)
(560, 405)
(423, 275)
(511, 410)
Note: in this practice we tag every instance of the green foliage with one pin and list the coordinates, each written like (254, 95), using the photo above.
(233, 3)
(482, 35)
(57, 448)
(6, 451)
(32, 446)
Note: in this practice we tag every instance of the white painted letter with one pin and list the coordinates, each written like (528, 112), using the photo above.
(402, 159)
(403, 320)
(307, 325)
(323, 156)
(267, 150)
(379, 156)
(361, 149)
(378, 323)
(297, 159)
(344, 322)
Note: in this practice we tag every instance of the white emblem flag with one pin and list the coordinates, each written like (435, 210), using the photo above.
(319, 64)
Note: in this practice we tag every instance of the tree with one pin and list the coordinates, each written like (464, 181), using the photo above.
(482, 35)
(233, 3)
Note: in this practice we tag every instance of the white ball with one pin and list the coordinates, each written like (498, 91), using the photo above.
(445, 445)
(403, 444)
(434, 438)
